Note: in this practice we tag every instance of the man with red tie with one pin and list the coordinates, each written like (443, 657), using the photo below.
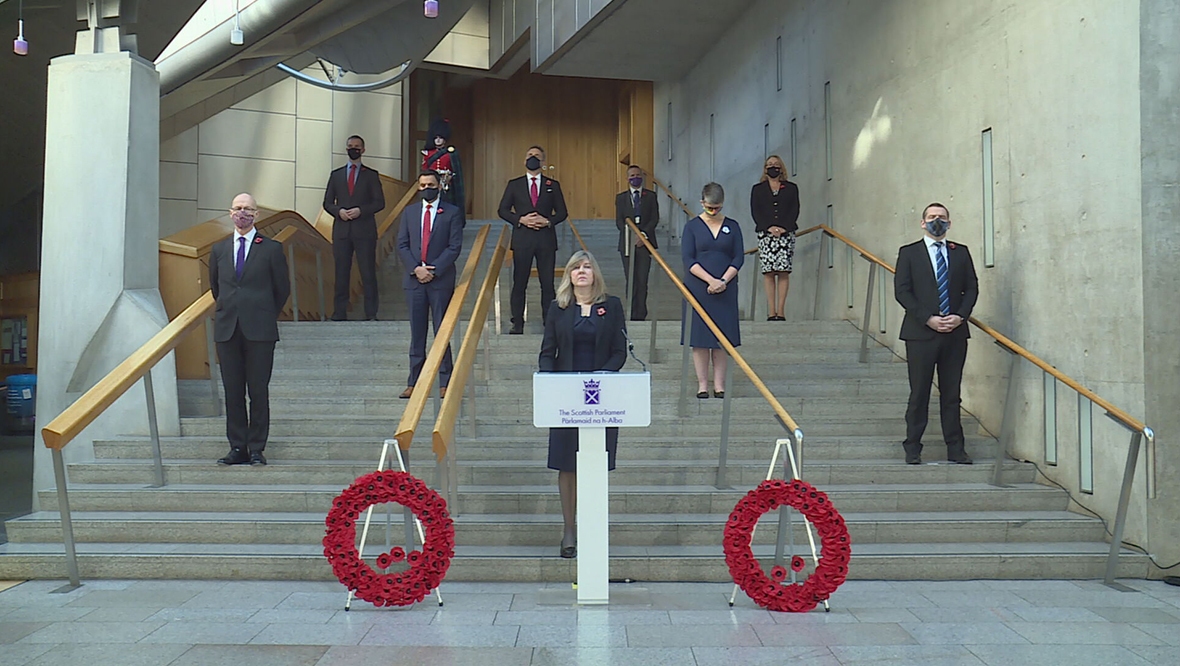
(532, 205)
(353, 198)
(429, 241)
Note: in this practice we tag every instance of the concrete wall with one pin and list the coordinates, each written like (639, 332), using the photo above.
(279, 144)
(509, 19)
(558, 21)
(468, 43)
(913, 84)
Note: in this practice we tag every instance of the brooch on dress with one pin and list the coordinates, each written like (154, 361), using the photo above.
(725, 229)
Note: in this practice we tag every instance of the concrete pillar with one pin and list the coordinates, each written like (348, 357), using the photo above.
(1159, 108)
(100, 298)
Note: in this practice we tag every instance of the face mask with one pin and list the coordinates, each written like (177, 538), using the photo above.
(533, 163)
(242, 219)
(774, 172)
(636, 181)
(712, 211)
(937, 227)
(354, 154)
(428, 194)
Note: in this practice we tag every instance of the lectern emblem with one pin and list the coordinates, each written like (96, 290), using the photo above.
(590, 392)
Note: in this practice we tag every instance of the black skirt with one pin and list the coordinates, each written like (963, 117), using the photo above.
(563, 442)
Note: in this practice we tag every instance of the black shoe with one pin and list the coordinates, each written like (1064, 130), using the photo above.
(702, 394)
(569, 552)
(339, 318)
(370, 319)
(913, 460)
(235, 457)
(257, 459)
(516, 330)
(962, 460)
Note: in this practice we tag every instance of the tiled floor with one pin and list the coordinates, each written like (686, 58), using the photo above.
(493, 624)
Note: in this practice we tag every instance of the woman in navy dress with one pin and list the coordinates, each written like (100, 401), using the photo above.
(713, 253)
(583, 333)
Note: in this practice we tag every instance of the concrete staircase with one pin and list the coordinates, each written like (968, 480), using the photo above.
(334, 400)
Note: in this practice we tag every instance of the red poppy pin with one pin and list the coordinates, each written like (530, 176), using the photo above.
(950, 245)
(601, 311)
(257, 240)
(548, 182)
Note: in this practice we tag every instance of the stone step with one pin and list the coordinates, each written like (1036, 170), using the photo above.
(514, 530)
(740, 474)
(501, 448)
(544, 499)
(540, 564)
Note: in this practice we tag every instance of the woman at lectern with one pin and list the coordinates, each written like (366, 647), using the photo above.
(584, 332)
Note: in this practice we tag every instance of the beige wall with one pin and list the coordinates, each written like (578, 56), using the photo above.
(279, 145)
(913, 83)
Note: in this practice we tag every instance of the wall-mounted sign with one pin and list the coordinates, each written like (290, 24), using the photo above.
(14, 340)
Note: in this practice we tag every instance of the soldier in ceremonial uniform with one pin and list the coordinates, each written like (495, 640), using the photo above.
(441, 157)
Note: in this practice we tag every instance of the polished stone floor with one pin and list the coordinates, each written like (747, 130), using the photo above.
(210, 623)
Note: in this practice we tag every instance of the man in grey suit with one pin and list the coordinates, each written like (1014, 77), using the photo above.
(248, 277)
(429, 240)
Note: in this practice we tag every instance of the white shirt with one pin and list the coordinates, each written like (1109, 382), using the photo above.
(931, 250)
(534, 180)
(249, 242)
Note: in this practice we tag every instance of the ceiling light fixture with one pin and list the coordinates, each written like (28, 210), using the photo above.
(431, 9)
(19, 45)
(235, 36)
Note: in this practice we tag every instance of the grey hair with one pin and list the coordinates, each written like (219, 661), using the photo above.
(713, 194)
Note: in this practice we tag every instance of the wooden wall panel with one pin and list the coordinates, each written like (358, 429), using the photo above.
(575, 120)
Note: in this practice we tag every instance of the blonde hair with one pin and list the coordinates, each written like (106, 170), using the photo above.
(565, 291)
(783, 167)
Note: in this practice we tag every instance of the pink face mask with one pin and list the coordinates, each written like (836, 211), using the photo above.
(242, 218)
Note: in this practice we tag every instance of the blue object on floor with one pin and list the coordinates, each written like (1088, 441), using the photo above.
(22, 395)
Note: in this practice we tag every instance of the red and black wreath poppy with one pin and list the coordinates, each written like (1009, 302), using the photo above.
(427, 566)
(769, 592)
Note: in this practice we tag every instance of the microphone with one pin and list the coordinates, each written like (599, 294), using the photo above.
(631, 349)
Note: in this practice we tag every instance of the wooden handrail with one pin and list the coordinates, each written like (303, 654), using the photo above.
(578, 236)
(448, 413)
(660, 184)
(442, 337)
(395, 212)
(1006, 342)
(305, 237)
(74, 419)
(775, 405)
(797, 234)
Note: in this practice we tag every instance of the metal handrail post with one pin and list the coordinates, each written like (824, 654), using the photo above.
(1008, 421)
(67, 524)
(864, 331)
(319, 277)
(652, 352)
(685, 339)
(819, 275)
(153, 429)
(786, 526)
(756, 268)
(1120, 520)
(408, 515)
(214, 369)
(726, 411)
(471, 402)
(294, 290)
(882, 301)
(850, 278)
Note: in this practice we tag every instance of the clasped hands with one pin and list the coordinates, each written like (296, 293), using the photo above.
(424, 273)
(534, 221)
(944, 324)
(716, 286)
(347, 214)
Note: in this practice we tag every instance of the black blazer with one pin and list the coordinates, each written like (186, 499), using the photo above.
(916, 288)
(517, 203)
(775, 210)
(610, 346)
(446, 244)
(649, 214)
(366, 195)
(254, 302)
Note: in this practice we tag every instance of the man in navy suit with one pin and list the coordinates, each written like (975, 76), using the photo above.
(248, 277)
(354, 197)
(643, 207)
(429, 240)
(532, 205)
(937, 286)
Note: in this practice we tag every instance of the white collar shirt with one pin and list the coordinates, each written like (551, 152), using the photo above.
(249, 243)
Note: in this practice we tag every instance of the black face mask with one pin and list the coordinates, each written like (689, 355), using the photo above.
(354, 154)
(533, 163)
(774, 172)
(429, 194)
(937, 227)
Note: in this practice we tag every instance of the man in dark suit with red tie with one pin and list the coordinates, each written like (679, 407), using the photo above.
(248, 277)
(353, 198)
(937, 286)
(643, 207)
(532, 205)
(429, 241)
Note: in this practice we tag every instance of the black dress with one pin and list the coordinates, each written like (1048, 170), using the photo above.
(592, 344)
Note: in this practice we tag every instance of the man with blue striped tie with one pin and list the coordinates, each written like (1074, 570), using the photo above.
(937, 286)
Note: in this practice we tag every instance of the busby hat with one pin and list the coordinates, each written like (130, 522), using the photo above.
(440, 127)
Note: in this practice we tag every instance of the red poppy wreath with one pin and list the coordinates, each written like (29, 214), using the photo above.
(427, 566)
(769, 592)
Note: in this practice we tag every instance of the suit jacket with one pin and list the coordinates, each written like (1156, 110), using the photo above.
(517, 203)
(254, 301)
(610, 345)
(649, 214)
(446, 243)
(916, 288)
(366, 195)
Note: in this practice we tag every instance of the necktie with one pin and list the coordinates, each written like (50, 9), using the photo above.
(241, 261)
(351, 178)
(940, 274)
(533, 193)
(635, 202)
(425, 231)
